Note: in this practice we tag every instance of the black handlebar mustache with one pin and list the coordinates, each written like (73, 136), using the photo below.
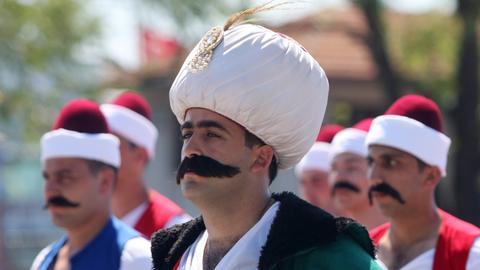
(206, 167)
(61, 202)
(387, 190)
(346, 185)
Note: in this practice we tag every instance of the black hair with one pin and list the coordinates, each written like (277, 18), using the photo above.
(252, 140)
(421, 164)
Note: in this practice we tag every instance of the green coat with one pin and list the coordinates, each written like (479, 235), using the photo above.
(302, 236)
(341, 255)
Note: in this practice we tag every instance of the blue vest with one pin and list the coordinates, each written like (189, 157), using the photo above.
(102, 253)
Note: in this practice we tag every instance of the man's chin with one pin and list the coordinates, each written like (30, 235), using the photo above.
(59, 211)
(345, 194)
(191, 187)
(61, 221)
(386, 204)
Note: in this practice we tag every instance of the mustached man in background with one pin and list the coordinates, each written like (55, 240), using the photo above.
(239, 97)
(408, 156)
(129, 118)
(313, 169)
(349, 175)
(80, 160)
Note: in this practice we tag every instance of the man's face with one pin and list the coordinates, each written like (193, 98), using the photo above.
(208, 134)
(69, 179)
(314, 187)
(349, 181)
(400, 172)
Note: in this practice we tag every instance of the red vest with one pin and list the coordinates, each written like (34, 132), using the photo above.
(159, 211)
(454, 242)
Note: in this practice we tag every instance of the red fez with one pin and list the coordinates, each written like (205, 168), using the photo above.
(134, 102)
(81, 115)
(327, 132)
(364, 124)
(419, 108)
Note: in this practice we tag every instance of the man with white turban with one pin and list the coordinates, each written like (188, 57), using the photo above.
(239, 97)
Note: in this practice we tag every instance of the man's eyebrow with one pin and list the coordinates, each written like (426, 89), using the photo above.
(211, 124)
(64, 172)
(205, 124)
(186, 125)
(392, 155)
(353, 160)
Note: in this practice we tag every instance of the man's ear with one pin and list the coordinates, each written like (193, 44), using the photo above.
(263, 156)
(141, 154)
(432, 176)
(106, 177)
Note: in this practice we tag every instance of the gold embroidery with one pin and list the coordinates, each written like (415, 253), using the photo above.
(204, 49)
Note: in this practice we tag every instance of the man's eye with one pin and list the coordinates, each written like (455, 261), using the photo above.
(391, 163)
(212, 135)
(369, 161)
(64, 180)
(186, 136)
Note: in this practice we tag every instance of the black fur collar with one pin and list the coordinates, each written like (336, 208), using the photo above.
(169, 245)
(297, 226)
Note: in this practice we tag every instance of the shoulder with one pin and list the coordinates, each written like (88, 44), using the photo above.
(356, 233)
(452, 224)
(308, 228)
(40, 257)
(136, 254)
(334, 256)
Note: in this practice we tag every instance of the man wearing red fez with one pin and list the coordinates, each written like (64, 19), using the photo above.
(313, 169)
(238, 99)
(407, 157)
(129, 118)
(80, 160)
(349, 175)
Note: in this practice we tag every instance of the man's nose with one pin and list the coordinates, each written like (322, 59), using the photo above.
(192, 146)
(374, 174)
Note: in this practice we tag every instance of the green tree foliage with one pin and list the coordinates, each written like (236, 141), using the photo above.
(424, 50)
(40, 44)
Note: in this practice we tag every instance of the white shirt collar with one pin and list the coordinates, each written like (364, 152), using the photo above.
(132, 217)
(244, 255)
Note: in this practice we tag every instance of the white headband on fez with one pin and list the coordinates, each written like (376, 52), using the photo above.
(102, 147)
(349, 140)
(317, 158)
(411, 136)
(131, 125)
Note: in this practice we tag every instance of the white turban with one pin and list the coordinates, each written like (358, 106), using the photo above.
(349, 140)
(411, 136)
(61, 142)
(318, 158)
(265, 82)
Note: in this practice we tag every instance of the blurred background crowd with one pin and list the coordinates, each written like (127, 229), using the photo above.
(373, 51)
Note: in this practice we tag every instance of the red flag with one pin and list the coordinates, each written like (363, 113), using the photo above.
(156, 48)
